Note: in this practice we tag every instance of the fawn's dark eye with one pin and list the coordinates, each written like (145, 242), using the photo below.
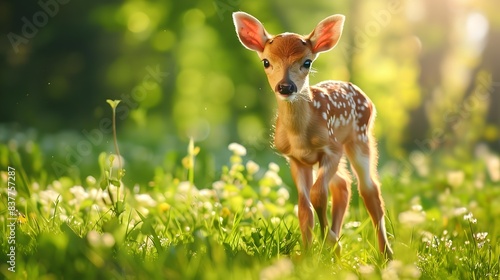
(307, 64)
(266, 63)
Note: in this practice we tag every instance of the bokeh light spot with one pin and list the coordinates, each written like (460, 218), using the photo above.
(138, 22)
(163, 40)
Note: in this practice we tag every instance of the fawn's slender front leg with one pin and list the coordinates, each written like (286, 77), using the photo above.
(340, 188)
(319, 193)
(302, 176)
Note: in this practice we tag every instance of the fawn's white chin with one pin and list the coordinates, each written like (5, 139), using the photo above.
(288, 98)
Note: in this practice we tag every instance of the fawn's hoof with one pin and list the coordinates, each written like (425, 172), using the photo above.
(388, 253)
(333, 240)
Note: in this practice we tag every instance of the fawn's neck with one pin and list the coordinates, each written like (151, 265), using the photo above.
(295, 115)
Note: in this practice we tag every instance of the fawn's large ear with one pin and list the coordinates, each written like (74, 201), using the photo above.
(250, 31)
(327, 33)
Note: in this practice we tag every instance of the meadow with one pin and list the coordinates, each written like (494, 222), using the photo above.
(187, 186)
(442, 222)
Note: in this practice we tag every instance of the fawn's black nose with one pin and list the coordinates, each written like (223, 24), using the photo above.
(286, 88)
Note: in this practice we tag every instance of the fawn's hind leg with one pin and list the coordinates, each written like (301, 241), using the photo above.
(363, 158)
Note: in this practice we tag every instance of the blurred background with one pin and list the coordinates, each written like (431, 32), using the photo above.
(431, 67)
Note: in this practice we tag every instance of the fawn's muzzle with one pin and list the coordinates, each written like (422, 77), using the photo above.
(286, 88)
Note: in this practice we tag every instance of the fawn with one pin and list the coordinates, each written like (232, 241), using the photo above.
(317, 124)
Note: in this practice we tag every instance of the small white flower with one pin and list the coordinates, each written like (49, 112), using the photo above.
(420, 163)
(281, 269)
(252, 167)
(206, 193)
(448, 243)
(281, 201)
(480, 236)
(276, 179)
(275, 221)
(107, 240)
(95, 194)
(237, 149)
(353, 224)
(493, 166)
(392, 269)
(184, 187)
(470, 217)
(366, 269)
(49, 196)
(56, 185)
(283, 193)
(90, 180)
(116, 162)
(416, 208)
(455, 178)
(93, 238)
(459, 211)
(249, 202)
(136, 189)
(97, 240)
(145, 199)
(79, 192)
(411, 217)
(274, 167)
(208, 206)
(63, 217)
(265, 191)
(117, 190)
(261, 208)
(218, 185)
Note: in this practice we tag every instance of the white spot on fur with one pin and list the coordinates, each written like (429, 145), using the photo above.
(337, 123)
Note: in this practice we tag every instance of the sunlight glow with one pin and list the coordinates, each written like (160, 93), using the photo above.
(138, 22)
(477, 28)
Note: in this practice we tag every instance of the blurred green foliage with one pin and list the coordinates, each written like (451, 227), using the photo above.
(431, 67)
(181, 72)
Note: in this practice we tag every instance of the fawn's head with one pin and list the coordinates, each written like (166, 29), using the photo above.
(287, 57)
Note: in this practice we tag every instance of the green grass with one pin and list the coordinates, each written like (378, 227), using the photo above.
(443, 224)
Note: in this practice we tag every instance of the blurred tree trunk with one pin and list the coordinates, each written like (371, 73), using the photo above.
(437, 17)
(491, 63)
